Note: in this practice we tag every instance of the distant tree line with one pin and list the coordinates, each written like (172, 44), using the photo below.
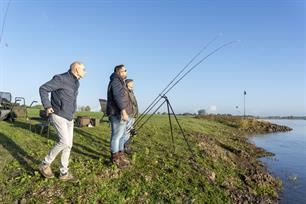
(85, 108)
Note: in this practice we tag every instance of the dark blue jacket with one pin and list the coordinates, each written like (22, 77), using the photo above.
(64, 90)
(117, 97)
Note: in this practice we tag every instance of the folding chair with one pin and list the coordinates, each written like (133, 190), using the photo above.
(103, 103)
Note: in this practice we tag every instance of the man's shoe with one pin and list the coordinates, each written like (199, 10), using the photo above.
(66, 177)
(46, 170)
(123, 158)
(116, 158)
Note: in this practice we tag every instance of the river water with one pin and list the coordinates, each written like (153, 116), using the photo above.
(289, 162)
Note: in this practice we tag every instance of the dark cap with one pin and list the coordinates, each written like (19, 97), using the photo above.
(128, 81)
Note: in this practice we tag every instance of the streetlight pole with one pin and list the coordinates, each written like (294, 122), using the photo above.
(244, 93)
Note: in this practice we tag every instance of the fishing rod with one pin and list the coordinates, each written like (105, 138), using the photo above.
(183, 76)
(154, 102)
(4, 20)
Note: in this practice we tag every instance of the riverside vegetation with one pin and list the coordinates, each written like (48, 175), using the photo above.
(224, 170)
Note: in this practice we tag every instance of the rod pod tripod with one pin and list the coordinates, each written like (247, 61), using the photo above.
(171, 112)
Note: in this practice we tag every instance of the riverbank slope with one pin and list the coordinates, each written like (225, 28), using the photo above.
(224, 169)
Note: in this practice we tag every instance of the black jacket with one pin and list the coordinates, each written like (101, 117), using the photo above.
(64, 90)
(117, 97)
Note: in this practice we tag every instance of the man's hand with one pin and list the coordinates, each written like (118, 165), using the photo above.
(124, 115)
(49, 111)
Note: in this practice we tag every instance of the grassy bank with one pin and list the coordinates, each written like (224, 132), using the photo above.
(225, 169)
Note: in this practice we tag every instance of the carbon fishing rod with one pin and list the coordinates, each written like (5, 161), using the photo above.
(4, 20)
(183, 76)
(150, 107)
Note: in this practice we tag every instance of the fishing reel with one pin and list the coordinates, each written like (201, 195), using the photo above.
(133, 132)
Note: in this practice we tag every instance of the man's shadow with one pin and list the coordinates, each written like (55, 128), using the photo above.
(77, 148)
(23, 158)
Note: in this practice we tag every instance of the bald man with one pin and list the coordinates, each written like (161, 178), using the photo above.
(64, 90)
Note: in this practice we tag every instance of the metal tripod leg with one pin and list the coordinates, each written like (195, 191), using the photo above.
(181, 129)
(170, 123)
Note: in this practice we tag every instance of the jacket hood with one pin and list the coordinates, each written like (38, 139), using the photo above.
(112, 76)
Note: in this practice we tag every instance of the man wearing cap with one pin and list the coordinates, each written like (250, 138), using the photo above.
(130, 85)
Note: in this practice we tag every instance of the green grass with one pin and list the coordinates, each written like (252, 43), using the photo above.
(157, 174)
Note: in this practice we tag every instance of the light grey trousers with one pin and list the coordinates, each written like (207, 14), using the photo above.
(64, 130)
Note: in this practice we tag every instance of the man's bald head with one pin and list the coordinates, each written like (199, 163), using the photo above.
(78, 69)
(74, 65)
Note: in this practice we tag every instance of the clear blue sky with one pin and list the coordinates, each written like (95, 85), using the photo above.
(155, 39)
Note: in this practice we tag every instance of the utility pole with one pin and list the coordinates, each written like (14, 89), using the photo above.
(244, 93)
